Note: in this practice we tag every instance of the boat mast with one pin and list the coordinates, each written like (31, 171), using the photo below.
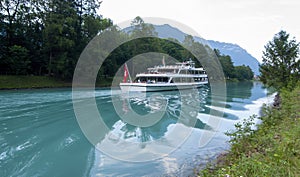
(126, 73)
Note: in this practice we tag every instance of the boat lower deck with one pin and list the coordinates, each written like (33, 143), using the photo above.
(153, 87)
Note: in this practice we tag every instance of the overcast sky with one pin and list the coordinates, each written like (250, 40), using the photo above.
(248, 23)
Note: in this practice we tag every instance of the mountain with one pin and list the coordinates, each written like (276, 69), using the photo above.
(238, 55)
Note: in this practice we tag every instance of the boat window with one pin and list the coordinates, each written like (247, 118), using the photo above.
(162, 79)
(200, 79)
(140, 79)
(183, 72)
(177, 80)
(153, 79)
(165, 70)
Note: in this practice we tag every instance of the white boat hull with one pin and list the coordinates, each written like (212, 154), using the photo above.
(145, 87)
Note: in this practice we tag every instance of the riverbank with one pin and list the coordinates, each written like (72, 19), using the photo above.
(271, 150)
(31, 82)
(35, 82)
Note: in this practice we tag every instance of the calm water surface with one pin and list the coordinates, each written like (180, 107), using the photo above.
(40, 135)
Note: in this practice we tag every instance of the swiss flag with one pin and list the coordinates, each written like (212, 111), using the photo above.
(126, 73)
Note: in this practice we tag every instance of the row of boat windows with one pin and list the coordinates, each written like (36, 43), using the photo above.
(151, 79)
(188, 79)
(166, 79)
(176, 71)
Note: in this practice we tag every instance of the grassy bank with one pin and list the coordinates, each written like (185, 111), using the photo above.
(28, 82)
(271, 150)
(25, 82)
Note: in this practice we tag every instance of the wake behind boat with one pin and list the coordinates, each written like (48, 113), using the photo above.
(182, 75)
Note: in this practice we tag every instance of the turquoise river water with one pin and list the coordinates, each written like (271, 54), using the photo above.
(41, 136)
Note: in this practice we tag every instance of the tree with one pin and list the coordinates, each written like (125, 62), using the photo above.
(230, 71)
(69, 26)
(243, 73)
(50, 34)
(19, 61)
(227, 64)
(144, 39)
(141, 29)
(12, 12)
(172, 47)
(17, 18)
(189, 44)
(59, 35)
(281, 64)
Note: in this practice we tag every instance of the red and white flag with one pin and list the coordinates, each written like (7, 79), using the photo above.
(126, 73)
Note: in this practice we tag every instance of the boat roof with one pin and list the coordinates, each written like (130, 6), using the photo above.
(186, 64)
(174, 67)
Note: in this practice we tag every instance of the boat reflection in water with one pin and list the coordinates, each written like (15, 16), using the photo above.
(151, 125)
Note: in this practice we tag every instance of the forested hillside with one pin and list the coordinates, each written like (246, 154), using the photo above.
(46, 38)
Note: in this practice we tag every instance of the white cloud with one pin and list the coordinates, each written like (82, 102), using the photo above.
(251, 24)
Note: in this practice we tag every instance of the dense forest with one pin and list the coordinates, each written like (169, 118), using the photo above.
(47, 37)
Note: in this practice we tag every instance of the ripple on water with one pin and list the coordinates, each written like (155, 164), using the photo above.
(39, 135)
(68, 141)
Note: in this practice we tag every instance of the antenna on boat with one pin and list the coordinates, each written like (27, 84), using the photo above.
(126, 74)
(163, 61)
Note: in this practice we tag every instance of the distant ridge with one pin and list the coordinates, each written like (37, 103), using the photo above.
(167, 31)
(239, 55)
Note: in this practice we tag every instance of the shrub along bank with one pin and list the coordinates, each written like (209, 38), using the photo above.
(271, 150)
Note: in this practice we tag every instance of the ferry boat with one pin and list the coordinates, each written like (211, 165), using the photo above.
(182, 75)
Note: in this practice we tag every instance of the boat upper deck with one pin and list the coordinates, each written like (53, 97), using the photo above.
(187, 67)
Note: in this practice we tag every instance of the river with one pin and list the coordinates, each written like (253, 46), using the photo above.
(41, 136)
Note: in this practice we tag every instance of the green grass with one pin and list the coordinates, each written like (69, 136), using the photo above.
(27, 82)
(24, 82)
(271, 150)
(104, 82)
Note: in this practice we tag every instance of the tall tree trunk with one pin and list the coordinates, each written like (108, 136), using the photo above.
(50, 63)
